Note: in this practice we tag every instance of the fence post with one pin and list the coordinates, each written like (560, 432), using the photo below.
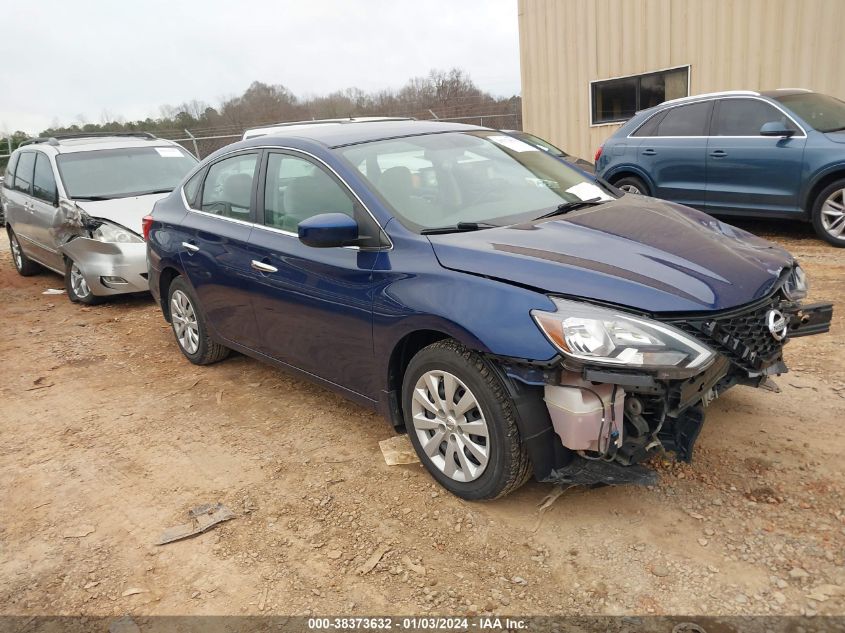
(194, 141)
(9, 141)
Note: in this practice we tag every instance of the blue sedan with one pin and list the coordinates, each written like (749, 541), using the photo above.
(510, 314)
(741, 153)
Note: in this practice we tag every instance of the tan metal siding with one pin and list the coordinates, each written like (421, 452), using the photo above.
(729, 44)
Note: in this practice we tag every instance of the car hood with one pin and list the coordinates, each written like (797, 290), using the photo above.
(635, 251)
(124, 211)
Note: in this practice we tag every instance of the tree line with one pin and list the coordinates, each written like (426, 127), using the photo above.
(440, 94)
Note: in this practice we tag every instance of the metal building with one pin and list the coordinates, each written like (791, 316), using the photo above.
(587, 65)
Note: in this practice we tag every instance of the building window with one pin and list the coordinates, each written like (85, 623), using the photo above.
(615, 100)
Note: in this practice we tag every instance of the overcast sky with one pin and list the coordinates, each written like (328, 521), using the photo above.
(66, 59)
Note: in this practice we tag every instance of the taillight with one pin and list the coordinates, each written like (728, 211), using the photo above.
(146, 225)
(598, 154)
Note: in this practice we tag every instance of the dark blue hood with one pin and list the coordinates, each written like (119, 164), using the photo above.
(640, 252)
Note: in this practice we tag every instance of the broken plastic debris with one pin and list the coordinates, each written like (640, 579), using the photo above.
(202, 517)
(398, 450)
(54, 291)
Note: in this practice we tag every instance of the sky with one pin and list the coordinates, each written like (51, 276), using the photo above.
(66, 60)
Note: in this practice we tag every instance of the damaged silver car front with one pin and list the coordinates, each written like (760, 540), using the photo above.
(106, 258)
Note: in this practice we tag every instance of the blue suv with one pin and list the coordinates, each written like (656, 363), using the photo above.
(510, 313)
(772, 154)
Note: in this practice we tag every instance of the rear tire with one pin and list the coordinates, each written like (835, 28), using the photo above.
(632, 184)
(829, 213)
(23, 264)
(77, 288)
(462, 423)
(189, 325)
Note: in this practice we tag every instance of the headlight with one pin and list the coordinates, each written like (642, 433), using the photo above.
(108, 232)
(608, 337)
(796, 285)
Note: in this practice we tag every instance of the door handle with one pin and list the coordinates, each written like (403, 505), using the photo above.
(649, 152)
(191, 247)
(718, 153)
(264, 268)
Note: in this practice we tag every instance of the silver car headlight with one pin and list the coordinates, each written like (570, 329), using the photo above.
(108, 232)
(797, 285)
(608, 337)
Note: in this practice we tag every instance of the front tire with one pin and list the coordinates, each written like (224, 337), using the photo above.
(23, 264)
(632, 184)
(829, 213)
(189, 326)
(77, 288)
(462, 423)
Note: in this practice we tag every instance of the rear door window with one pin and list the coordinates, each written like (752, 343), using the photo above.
(745, 117)
(227, 189)
(43, 181)
(23, 172)
(687, 120)
(8, 180)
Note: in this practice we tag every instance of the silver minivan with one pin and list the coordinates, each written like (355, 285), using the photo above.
(74, 205)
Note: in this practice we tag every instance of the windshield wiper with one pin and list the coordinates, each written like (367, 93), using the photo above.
(460, 227)
(566, 207)
(148, 193)
(94, 198)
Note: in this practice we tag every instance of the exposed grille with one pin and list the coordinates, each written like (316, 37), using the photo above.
(744, 337)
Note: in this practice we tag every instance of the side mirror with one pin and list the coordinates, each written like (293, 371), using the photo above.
(328, 230)
(775, 128)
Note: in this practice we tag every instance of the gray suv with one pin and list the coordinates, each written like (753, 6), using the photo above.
(74, 205)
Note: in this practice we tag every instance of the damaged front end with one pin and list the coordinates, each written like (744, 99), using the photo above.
(110, 257)
(627, 387)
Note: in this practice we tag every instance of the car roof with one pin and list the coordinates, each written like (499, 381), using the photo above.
(275, 128)
(340, 135)
(88, 143)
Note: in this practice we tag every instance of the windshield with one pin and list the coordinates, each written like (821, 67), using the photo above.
(438, 180)
(822, 112)
(543, 145)
(119, 173)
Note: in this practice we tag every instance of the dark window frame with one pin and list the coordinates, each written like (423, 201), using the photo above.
(599, 83)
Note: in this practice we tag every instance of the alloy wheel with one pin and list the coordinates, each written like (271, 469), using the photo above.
(450, 426)
(833, 214)
(184, 319)
(78, 283)
(630, 189)
(16, 251)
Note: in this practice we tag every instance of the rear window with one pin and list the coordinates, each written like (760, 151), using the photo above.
(23, 172)
(10, 171)
(123, 172)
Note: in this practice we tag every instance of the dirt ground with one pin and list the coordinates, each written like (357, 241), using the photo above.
(109, 436)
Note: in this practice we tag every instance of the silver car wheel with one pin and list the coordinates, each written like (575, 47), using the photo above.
(184, 319)
(16, 251)
(630, 189)
(78, 283)
(450, 426)
(833, 214)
